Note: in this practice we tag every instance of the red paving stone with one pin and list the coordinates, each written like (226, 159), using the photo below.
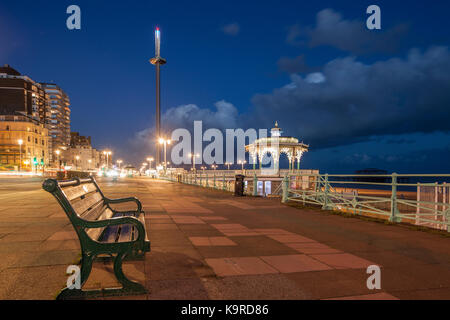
(290, 238)
(272, 231)
(187, 220)
(295, 263)
(211, 241)
(312, 248)
(239, 266)
(343, 261)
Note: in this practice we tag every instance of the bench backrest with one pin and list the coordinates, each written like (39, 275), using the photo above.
(81, 199)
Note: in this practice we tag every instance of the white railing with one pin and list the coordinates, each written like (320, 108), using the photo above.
(386, 196)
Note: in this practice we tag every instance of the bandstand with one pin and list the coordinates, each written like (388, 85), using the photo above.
(275, 145)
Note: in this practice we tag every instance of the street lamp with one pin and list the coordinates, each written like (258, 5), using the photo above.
(57, 159)
(150, 161)
(76, 164)
(90, 161)
(119, 162)
(20, 142)
(165, 143)
(193, 156)
(214, 167)
(242, 162)
(228, 164)
(107, 154)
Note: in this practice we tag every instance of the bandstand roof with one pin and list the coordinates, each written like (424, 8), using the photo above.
(277, 140)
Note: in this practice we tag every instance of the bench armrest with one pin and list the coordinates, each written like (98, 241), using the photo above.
(118, 221)
(130, 199)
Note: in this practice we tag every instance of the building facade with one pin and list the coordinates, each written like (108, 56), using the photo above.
(80, 155)
(24, 143)
(21, 95)
(59, 120)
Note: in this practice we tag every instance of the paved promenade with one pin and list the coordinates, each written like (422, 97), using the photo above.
(208, 244)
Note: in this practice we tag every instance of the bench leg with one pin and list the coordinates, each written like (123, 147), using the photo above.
(128, 285)
(86, 268)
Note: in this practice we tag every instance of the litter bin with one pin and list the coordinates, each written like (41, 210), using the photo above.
(239, 185)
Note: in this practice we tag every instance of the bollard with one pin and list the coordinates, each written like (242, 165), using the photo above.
(394, 208)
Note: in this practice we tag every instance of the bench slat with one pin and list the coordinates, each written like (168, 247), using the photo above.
(82, 205)
(75, 192)
(95, 233)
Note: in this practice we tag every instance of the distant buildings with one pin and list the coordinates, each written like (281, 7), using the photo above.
(35, 127)
(59, 121)
(23, 140)
(80, 155)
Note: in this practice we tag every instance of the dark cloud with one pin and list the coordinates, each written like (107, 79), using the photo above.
(295, 65)
(347, 35)
(356, 101)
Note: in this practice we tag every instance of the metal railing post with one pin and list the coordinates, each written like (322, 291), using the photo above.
(285, 186)
(326, 191)
(206, 184)
(255, 185)
(394, 208)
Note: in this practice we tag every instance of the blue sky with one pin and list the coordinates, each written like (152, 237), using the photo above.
(245, 53)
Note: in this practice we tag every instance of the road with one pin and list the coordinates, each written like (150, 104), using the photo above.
(208, 244)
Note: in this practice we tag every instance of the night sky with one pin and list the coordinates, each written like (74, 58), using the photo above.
(360, 98)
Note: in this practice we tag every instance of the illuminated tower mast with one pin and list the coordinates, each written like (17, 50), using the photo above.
(158, 61)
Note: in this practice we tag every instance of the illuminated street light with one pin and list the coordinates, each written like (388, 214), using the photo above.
(214, 167)
(119, 162)
(165, 143)
(76, 164)
(58, 152)
(20, 142)
(193, 156)
(242, 163)
(107, 153)
(150, 161)
(228, 164)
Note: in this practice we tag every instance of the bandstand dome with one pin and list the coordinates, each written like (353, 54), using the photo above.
(275, 145)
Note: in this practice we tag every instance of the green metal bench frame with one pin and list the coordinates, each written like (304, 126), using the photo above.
(90, 248)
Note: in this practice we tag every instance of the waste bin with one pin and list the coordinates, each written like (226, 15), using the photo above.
(239, 185)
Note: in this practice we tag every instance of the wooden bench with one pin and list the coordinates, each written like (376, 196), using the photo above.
(102, 231)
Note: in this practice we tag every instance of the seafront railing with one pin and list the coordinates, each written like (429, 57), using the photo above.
(419, 199)
(393, 197)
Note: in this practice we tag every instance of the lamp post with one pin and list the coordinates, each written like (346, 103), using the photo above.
(119, 162)
(57, 159)
(107, 153)
(191, 155)
(165, 143)
(20, 142)
(89, 161)
(214, 167)
(150, 159)
(242, 162)
(228, 164)
(76, 163)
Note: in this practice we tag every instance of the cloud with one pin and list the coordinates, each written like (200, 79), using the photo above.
(294, 65)
(224, 116)
(355, 101)
(231, 29)
(347, 35)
